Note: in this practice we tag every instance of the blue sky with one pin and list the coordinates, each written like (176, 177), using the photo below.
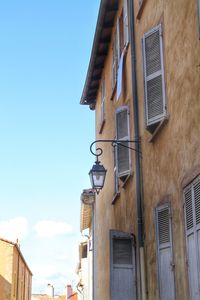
(45, 133)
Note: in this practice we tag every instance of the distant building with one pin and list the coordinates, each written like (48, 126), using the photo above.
(70, 293)
(15, 275)
(85, 269)
(47, 297)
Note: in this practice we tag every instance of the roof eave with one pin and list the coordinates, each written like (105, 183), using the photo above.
(85, 98)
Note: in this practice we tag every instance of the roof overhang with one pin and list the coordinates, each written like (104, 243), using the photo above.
(102, 38)
(86, 216)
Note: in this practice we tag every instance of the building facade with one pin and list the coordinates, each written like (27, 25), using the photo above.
(85, 266)
(15, 275)
(143, 82)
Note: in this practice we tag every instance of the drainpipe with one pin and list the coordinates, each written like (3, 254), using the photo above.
(140, 234)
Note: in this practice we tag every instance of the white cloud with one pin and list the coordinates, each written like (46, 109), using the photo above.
(47, 228)
(16, 228)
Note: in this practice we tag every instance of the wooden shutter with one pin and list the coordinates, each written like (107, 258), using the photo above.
(115, 58)
(154, 76)
(123, 153)
(123, 268)
(164, 253)
(192, 227)
(125, 23)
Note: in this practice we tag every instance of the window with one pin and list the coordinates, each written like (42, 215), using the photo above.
(123, 134)
(192, 229)
(122, 266)
(103, 100)
(121, 40)
(115, 57)
(154, 83)
(166, 281)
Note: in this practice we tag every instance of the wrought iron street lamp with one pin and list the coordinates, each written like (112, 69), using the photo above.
(98, 172)
(97, 176)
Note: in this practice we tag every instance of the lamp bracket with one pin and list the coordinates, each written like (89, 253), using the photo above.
(99, 151)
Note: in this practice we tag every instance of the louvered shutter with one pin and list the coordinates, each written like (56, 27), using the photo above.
(164, 253)
(116, 55)
(123, 269)
(154, 76)
(123, 153)
(192, 226)
(125, 23)
(118, 42)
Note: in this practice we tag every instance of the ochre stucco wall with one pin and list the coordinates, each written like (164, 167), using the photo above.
(121, 214)
(175, 152)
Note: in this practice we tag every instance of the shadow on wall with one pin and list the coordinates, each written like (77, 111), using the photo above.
(5, 289)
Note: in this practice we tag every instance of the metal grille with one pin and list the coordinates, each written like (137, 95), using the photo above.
(163, 226)
(122, 124)
(122, 251)
(155, 97)
(123, 157)
(153, 57)
(197, 201)
(188, 209)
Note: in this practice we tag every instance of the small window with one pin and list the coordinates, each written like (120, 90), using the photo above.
(123, 135)
(154, 83)
(84, 251)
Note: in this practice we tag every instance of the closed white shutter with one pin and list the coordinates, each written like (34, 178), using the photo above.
(154, 76)
(122, 266)
(125, 23)
(123, 134)
(192, 226)
(164, 253)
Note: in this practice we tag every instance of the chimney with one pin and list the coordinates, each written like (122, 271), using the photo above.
(69, 290)
(50, 290)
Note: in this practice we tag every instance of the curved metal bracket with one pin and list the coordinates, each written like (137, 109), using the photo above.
(99, 151)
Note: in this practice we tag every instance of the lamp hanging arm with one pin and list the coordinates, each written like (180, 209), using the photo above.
(113, 143)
